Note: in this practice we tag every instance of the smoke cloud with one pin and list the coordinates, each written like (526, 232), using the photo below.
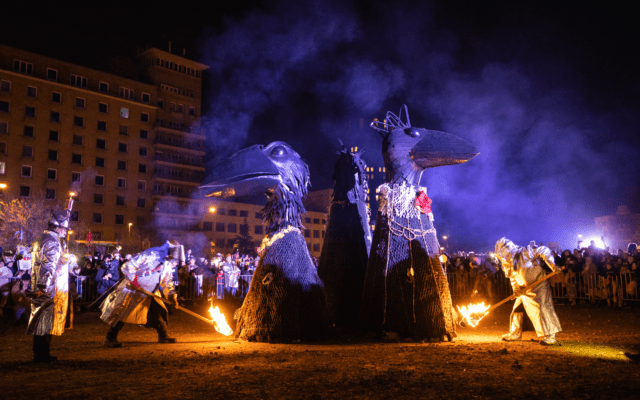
(553, 155)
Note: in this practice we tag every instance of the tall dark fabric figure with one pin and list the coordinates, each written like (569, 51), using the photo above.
(406, 290)
(346, 245)
(286, 299)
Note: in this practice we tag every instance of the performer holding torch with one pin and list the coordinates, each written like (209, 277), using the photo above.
(50, 285)
(137, 298)
(524, 266)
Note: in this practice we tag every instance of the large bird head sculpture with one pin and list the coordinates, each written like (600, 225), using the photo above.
(276, 170)
(408, 150)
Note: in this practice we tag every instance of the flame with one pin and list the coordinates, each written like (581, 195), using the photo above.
(473, 313)
(219, 322)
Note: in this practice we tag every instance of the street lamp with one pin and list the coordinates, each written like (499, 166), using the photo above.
(212, 209)
(3, 186)
(130, 223)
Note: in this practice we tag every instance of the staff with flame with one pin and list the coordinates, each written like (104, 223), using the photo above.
(524, 266)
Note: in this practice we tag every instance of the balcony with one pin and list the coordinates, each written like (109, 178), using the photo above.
(179, 178)
(174, 160)
(175, 145)
(195, 130)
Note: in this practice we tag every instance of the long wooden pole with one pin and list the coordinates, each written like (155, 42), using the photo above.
(148, 293)
(526, 289)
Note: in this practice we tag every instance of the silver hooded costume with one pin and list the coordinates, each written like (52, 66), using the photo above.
(150, 270)
(50, 276)
(523, 266)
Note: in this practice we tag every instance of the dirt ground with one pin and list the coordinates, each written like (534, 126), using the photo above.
(589, 364)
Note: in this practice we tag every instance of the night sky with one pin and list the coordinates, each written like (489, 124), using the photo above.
(548, 92)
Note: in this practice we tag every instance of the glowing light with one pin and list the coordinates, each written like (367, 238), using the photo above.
(212, 209)
(71, 194)
(3, 185)
(219, 322)
(598, 242)
(473, 313)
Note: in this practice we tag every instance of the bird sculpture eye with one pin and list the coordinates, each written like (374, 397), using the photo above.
(279, 152)
(413, 132)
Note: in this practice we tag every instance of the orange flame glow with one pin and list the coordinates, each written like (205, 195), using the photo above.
(473, 313)
(219, 322)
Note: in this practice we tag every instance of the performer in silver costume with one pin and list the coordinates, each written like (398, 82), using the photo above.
(50, 287)
(523, 266)
(151, 270)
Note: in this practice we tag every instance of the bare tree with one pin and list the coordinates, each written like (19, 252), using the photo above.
(27, 215)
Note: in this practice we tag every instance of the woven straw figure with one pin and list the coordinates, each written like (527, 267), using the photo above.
(346, 244)
(406, 289)
(286, 300)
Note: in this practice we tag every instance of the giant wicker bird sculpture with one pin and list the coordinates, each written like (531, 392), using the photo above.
(346, 244)
(406, 289)
(286, 300)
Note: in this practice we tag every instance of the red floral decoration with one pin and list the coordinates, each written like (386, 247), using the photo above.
(135, 283)
(423, 203)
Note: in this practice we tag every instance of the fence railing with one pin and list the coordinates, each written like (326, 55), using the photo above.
(572, 287)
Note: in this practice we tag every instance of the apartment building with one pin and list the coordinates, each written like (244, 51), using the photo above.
(122, 144)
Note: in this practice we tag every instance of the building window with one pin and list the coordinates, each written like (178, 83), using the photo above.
(23, 67)
(101, 144)
(122, 183)
(244, 213)
(258, 215)
(27, 151)
(222, 211)
(207, 226)
(124, 130)
(4, 106)
(26, 171)
(74, 216)
(32, 91)
(316, 221)
(307, 233)
(119, 219)
(78, 121)
(75, 176)
(231, 228)
(219, 226)
(99, 180)
(142, 185)
(5, 86)
(103, 108)
(316, 247)
(146, 98)
(98, 198)
(56, 97)
(97, 219)
(143, 134)
(233, 213)
(76, 158)
(3, 167)
(29, 131)
(52, 174)
(78, 140)
(126, 93)
(54, 136)
(103, 87)
(142, 168)
(102, 126)
(124, 112)
(143, 151)
(52, 74)
(29, 112)
(50, 194)
(120, 200)
(55, 116)
(307, 220)
(172, 106)
(144, 117)
(80, 102)
(53, 155)
(316, 234)
(122, 165)
(3, 147)
(180, 109)
(142, 202)
(122, 147)
(258, 229)
(25, 191)
(160, 101)
(79, 81)
(99, 162)
(192, 112)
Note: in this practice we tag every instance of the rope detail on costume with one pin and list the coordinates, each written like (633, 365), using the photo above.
(268, 241)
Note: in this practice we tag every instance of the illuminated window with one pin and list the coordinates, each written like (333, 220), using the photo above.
(3, 167)
(124, 112)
